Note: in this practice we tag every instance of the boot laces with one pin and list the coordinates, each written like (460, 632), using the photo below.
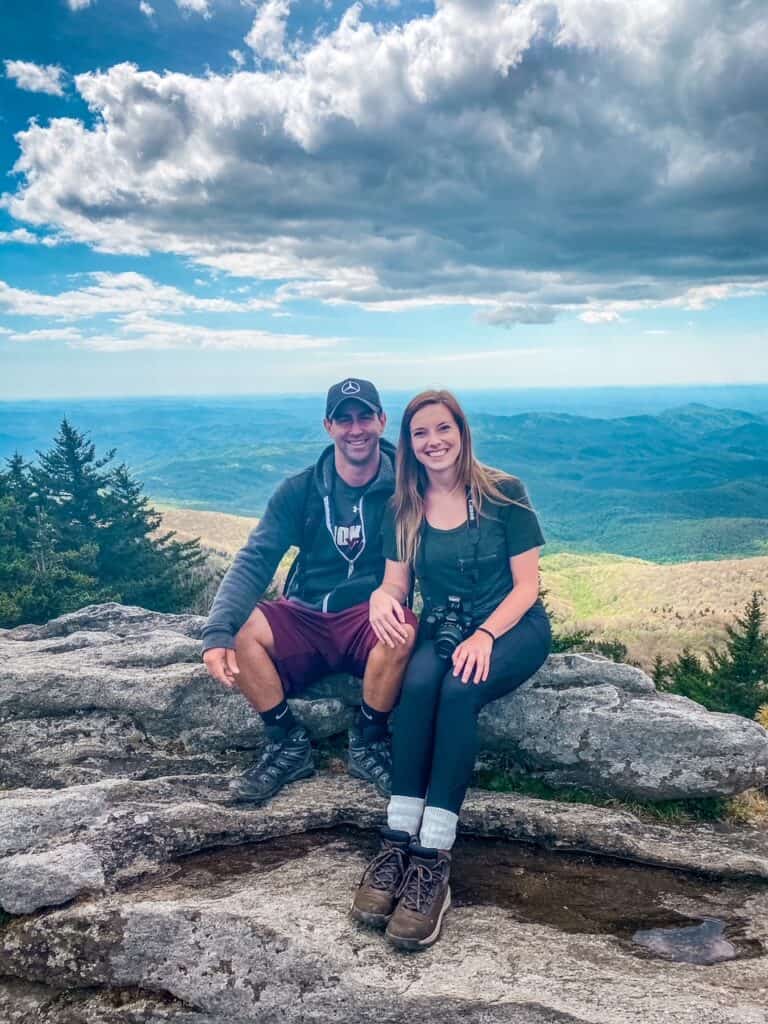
(273, 757)
(377, 759)
(418, 888)
(386, 869)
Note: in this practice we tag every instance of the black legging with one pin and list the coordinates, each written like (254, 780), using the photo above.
(434, 737)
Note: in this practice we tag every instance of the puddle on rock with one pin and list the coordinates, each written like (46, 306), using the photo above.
(576, 893)
(703, 943)
(600, 895)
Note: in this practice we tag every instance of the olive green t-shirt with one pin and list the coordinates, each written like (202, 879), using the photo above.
(446, 563)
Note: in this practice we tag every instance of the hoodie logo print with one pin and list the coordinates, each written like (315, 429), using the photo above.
(348, 538)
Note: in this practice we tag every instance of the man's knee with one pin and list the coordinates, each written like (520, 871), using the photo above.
(401, 652)
(255, 633)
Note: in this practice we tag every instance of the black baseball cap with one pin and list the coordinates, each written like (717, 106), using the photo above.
(352, 387)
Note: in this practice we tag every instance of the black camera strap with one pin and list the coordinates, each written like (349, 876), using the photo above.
(465, 566)
(473, 529)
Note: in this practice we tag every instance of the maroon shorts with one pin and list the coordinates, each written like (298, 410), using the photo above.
(310, 644)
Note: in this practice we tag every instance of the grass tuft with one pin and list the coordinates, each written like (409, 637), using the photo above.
(749, 808)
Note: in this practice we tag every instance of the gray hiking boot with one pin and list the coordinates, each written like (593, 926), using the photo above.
(371, 762)
(281, 761)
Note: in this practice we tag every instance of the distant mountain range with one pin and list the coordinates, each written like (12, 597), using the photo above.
(681, 484)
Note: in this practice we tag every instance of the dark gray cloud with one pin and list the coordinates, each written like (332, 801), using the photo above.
(528, 157)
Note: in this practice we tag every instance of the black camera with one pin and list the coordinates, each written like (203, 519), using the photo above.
(450, 625)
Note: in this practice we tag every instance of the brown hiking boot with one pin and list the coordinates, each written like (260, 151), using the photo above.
(377, 892)
(423, 899)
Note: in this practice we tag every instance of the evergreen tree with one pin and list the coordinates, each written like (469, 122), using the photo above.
(74, 531)
(151, 570)
(37, 582)
(688, 677)
(71, 482)
(740, 671)
(660, 673)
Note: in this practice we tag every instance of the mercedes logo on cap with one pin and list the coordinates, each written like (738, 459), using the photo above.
(350, 387)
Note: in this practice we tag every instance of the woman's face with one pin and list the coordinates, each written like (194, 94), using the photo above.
(435, 438)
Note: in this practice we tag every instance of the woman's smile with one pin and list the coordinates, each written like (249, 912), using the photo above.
(435, 437)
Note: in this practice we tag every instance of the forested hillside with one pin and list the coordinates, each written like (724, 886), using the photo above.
(689, 483)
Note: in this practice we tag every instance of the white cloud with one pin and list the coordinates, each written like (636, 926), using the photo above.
(19, 235)
(267, 35)
(197, 6)
(142, 332)
(529, 158)
(238, 57)
(46, 78)
(111, 294)
(24, 237)
(48, 334)
(599, 316)
(78, 5)
(146, 8)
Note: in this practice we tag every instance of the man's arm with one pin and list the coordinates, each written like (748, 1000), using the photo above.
(254, 565)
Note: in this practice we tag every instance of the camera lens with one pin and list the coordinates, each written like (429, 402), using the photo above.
(447, 638)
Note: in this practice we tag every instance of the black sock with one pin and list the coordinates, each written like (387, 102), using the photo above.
(371, 724)
(279, 720)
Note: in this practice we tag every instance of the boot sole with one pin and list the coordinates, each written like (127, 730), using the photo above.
(257, 800)
(379, 921)
(410, 944)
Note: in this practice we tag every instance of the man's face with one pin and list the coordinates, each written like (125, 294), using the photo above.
(355, 430)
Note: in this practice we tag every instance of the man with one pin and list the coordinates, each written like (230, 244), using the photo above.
(332, 512)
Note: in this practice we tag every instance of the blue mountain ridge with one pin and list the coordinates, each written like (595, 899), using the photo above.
(689, 482)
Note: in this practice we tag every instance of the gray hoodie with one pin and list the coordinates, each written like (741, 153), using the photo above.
(324, 577)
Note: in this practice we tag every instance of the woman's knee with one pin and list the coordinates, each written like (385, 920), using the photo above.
(423, 675)
(455, 694)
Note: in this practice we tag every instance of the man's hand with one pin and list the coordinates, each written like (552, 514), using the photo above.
(387, 618)
(222, 666)
(473, 655)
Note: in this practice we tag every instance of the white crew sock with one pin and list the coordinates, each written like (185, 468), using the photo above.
(438, 828)
(404, 813)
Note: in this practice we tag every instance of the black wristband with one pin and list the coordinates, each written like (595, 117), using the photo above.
(482, 629)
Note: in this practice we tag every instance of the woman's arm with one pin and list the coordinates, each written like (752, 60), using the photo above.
(386, 613)
(473, 655)
(525, 573)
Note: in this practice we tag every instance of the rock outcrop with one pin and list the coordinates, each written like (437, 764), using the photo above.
(59, 844)
(132, 891)
(111, 691)
(264, 935)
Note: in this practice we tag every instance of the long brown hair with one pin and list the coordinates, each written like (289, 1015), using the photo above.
(412, 481)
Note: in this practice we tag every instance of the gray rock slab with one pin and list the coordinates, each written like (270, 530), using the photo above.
(584, 722)
(32, 880)
(278, 945)
(108, 689)
(133, 828)
(120, 619)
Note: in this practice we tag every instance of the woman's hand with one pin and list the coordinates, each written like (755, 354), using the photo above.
(473, 655)
(387, 618)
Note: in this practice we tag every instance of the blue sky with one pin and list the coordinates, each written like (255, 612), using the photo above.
(227, 196)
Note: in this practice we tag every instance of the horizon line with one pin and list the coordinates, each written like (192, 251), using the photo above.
(395, 391)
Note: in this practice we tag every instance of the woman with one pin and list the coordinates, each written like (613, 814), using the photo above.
(471, 538)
